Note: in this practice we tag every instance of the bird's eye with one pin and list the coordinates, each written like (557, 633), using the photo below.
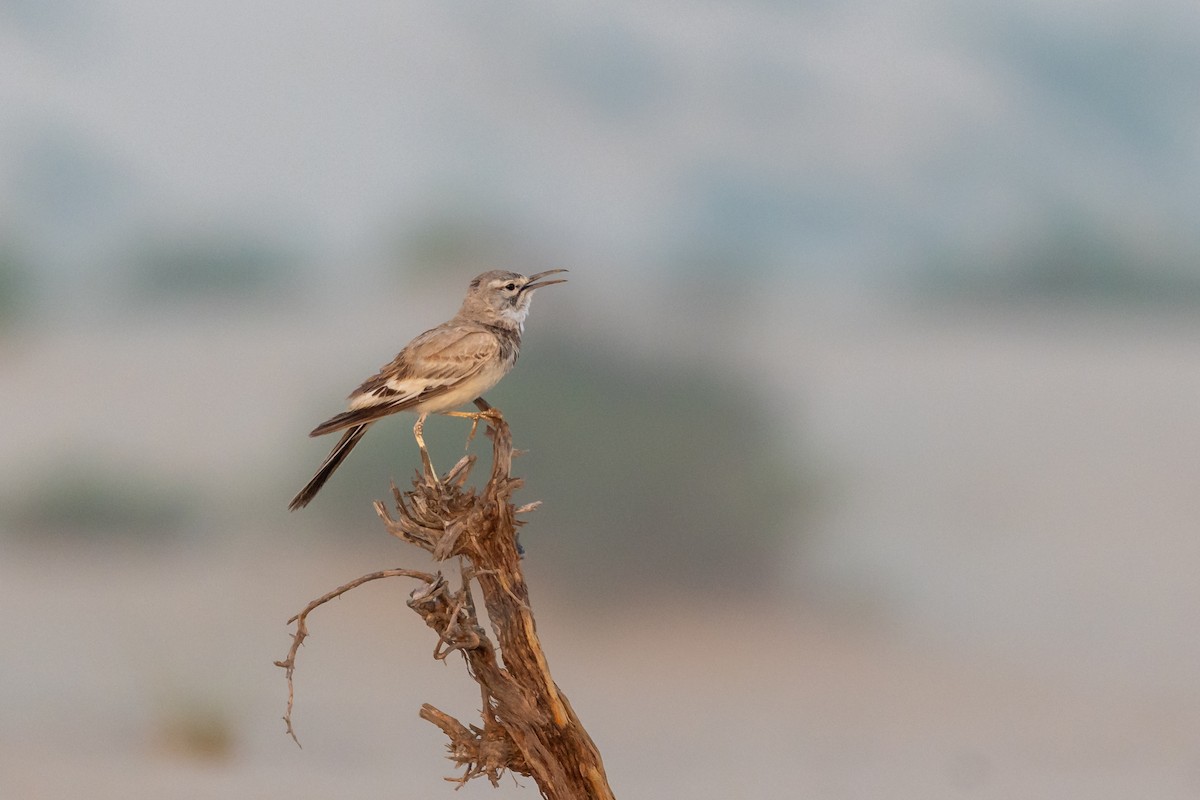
(510, 287)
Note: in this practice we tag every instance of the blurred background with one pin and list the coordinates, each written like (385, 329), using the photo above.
(866, 427)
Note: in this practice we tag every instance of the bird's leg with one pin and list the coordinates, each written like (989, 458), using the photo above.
(485, 407)
(425, 461)
(488, 413)
(474, 423)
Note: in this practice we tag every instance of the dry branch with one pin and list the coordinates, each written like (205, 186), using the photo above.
(301, 620)
(528, 725)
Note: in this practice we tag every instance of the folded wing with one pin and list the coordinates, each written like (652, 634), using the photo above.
(433, 364)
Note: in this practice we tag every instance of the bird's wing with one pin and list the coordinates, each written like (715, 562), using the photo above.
(432, 364)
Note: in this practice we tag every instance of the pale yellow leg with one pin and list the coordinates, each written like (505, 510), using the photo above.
(425, 460)
(474, 416)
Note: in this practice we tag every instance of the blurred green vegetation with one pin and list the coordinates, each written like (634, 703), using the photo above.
(1073, 260)
(448, 240)
(15, 282)
(649, 471)
(92, 497)
(208, 263)
(463, 238)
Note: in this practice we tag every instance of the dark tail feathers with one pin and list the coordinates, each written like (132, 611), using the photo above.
(335, 458)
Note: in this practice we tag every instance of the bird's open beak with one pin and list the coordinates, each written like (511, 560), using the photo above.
(533, 280)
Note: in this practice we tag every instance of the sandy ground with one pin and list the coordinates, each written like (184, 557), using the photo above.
(997, 600)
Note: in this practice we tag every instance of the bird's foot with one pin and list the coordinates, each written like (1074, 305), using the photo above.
(490, 414)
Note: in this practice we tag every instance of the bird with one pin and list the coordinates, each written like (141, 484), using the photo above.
(440, 370)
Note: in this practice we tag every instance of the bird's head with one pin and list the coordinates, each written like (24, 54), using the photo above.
(502, 298)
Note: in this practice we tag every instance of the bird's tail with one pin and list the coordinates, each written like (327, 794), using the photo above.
(332, 461)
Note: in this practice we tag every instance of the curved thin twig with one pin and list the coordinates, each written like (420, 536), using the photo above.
(289, 663)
